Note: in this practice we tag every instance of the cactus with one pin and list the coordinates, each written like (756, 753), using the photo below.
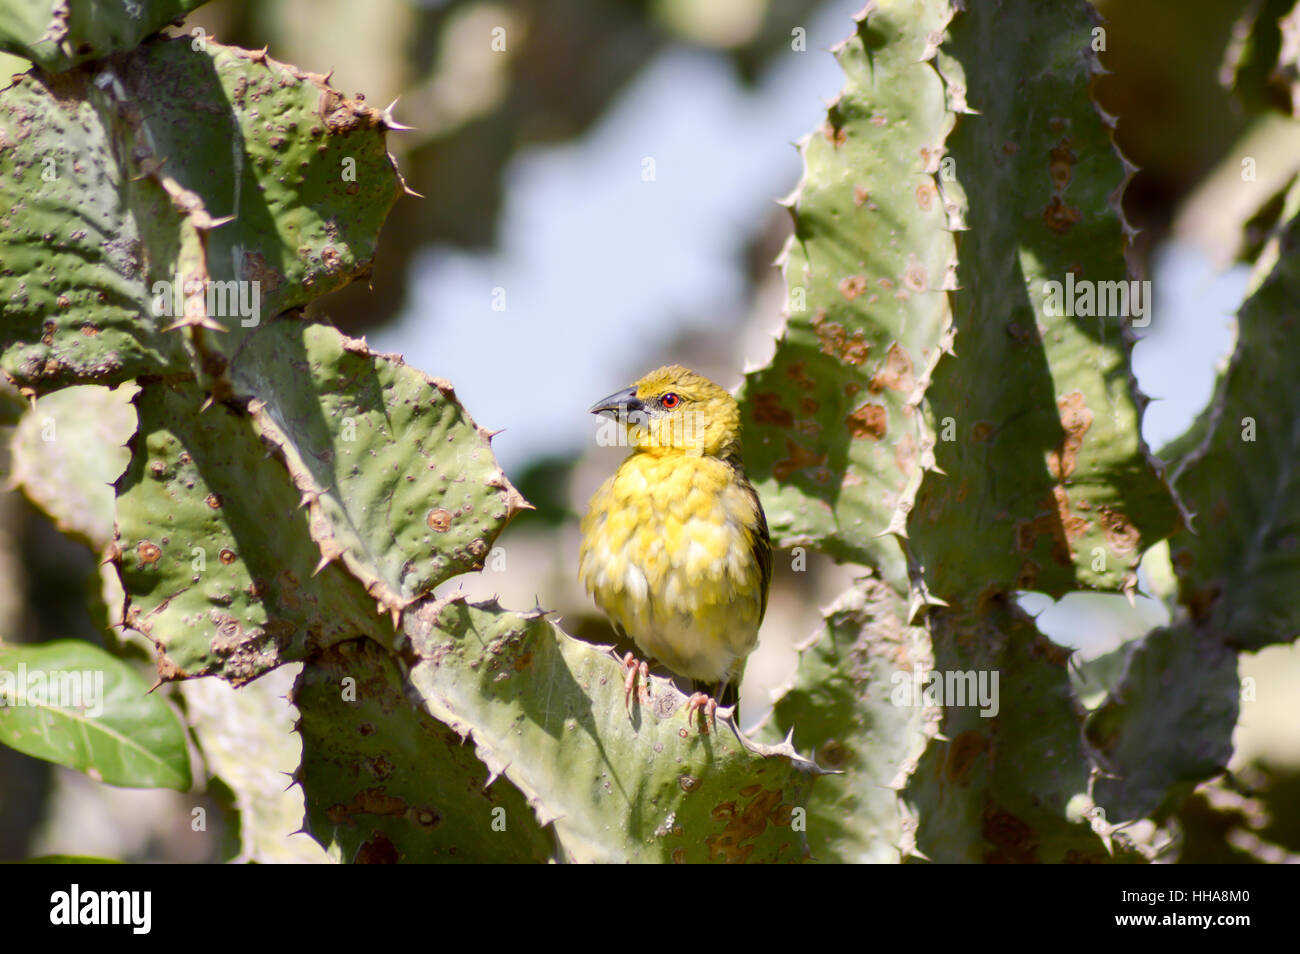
(831, 424)
(1234, 574)
(400, 484)
(291, 496)
(229, 583)
(221, 580)
(1042, 471)
(1138, 716)
(556, 766)
(1008, 782)
(547, 712)
(60, 35)
(130, 213)
(843, 704)
(228, 724)
(66, 453)
(74, 287)
(387, 782)
(388, 778)
(1050, 479)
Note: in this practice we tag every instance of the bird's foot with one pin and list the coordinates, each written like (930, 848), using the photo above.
(705, 703)
(635, 668)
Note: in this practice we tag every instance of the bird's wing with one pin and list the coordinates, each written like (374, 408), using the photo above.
(760, 544)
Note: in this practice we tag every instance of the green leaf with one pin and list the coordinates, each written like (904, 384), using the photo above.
(71, 703)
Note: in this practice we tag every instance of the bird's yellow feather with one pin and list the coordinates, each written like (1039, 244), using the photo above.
(675, 545)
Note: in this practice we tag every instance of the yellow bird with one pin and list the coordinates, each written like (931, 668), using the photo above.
(675, 547)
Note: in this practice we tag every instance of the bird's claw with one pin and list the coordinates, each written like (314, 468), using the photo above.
(635, 668)
(709, 705)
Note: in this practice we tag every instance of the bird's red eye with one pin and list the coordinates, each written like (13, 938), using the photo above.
(669, 401)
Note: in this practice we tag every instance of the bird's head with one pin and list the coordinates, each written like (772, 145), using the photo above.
(675, 408)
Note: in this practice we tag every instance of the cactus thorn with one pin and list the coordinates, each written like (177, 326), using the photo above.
(200, 322)
(387, 118)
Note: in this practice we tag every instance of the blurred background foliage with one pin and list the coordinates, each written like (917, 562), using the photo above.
(597, 179)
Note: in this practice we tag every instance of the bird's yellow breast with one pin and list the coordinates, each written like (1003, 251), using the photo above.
(667, 552)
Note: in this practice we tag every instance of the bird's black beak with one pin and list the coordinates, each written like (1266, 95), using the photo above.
(623, 403)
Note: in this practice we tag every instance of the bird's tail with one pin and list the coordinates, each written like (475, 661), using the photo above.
(726, 690)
